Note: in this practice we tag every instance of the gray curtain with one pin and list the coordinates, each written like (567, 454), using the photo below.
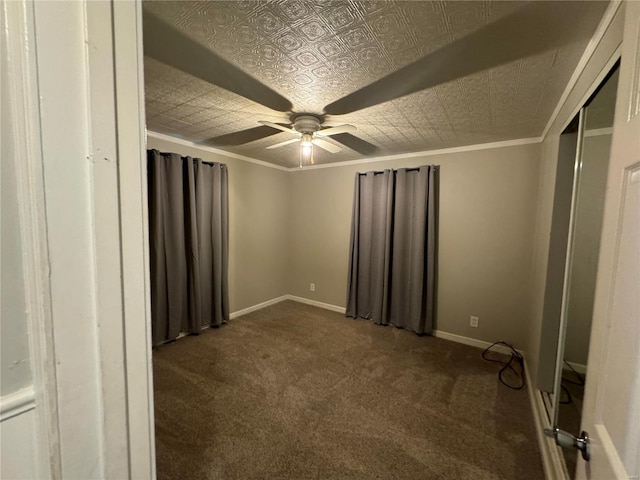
(392, 261)
(189, 240)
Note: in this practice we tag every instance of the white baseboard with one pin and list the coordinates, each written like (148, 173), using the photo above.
(474, 342)
(239, 313)
(258, 306)
(315, 303)
(16, 403)
(578, 367)
(436, 333)
(552, 463)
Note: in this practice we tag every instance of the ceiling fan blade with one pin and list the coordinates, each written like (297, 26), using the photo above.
(335, 130)
(356, 143)
(329, 147)
(282, 144)
(241, 137)
(534, 28)
(167, 44)
(278, 126)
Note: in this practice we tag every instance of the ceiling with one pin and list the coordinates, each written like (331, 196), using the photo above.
(491, 71)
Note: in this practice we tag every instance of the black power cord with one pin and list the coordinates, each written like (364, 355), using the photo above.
(515, 364)
(565, 390)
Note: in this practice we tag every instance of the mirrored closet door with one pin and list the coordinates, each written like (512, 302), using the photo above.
(581, 179)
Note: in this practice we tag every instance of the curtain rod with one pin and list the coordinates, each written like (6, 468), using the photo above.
(213, 164)
(377, 172)
(206, 162)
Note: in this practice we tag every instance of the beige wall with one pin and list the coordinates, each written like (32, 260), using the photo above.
(258, 226)
(487, 204)
(290, 229)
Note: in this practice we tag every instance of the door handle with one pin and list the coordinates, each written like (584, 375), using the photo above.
(566, 440)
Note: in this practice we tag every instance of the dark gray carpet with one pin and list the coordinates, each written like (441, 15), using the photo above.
(297, 392)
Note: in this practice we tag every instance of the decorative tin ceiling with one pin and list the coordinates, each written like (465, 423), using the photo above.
(314, 53)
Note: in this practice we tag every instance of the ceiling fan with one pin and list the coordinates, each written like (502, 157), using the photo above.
(482, 49)
(306, 128)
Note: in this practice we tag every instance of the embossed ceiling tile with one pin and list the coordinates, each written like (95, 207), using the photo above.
(161, 119)
(219, 16)
(468, 101)
(203, 29)
(293, 11)
(268, 23)
(202, 116)
(563, 65)
(246, 7)
(467, 17)
(315, 52)
(369, 9)
(176, 11)
(339, 16)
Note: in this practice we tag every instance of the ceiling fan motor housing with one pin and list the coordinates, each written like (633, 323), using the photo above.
(306, 124)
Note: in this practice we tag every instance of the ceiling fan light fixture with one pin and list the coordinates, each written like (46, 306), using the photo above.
(306, 140)
(306, 154)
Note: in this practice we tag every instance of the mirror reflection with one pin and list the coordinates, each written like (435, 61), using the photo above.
(591, 169)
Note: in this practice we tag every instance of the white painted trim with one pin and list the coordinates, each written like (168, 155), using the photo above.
(17, 403)
(258, 306)
(606, 20)
(108, 262)
(335, 308)
(217, 151)
(315, 303)
(425, 153)
(598, 132)
(238, 313)
(597, 81)
(552, 462)
(473, 342)
(134, 238)
(401, 156)
(611, 452)
(579, 367)
(22, 82)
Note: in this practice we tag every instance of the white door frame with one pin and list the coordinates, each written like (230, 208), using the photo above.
(123, 287)
(120, 182)
(611, 412)
(105, 146)
(23, 150)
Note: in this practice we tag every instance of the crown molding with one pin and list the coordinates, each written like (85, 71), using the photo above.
(217, 151)
(425, 153)
(401, 156)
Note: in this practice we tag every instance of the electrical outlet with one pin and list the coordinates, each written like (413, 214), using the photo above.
(312, 287)
(473, 322)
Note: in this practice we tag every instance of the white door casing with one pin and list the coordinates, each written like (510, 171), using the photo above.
(77, 108)
(611, 413)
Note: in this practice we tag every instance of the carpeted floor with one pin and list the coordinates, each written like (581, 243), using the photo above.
(297, 392)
